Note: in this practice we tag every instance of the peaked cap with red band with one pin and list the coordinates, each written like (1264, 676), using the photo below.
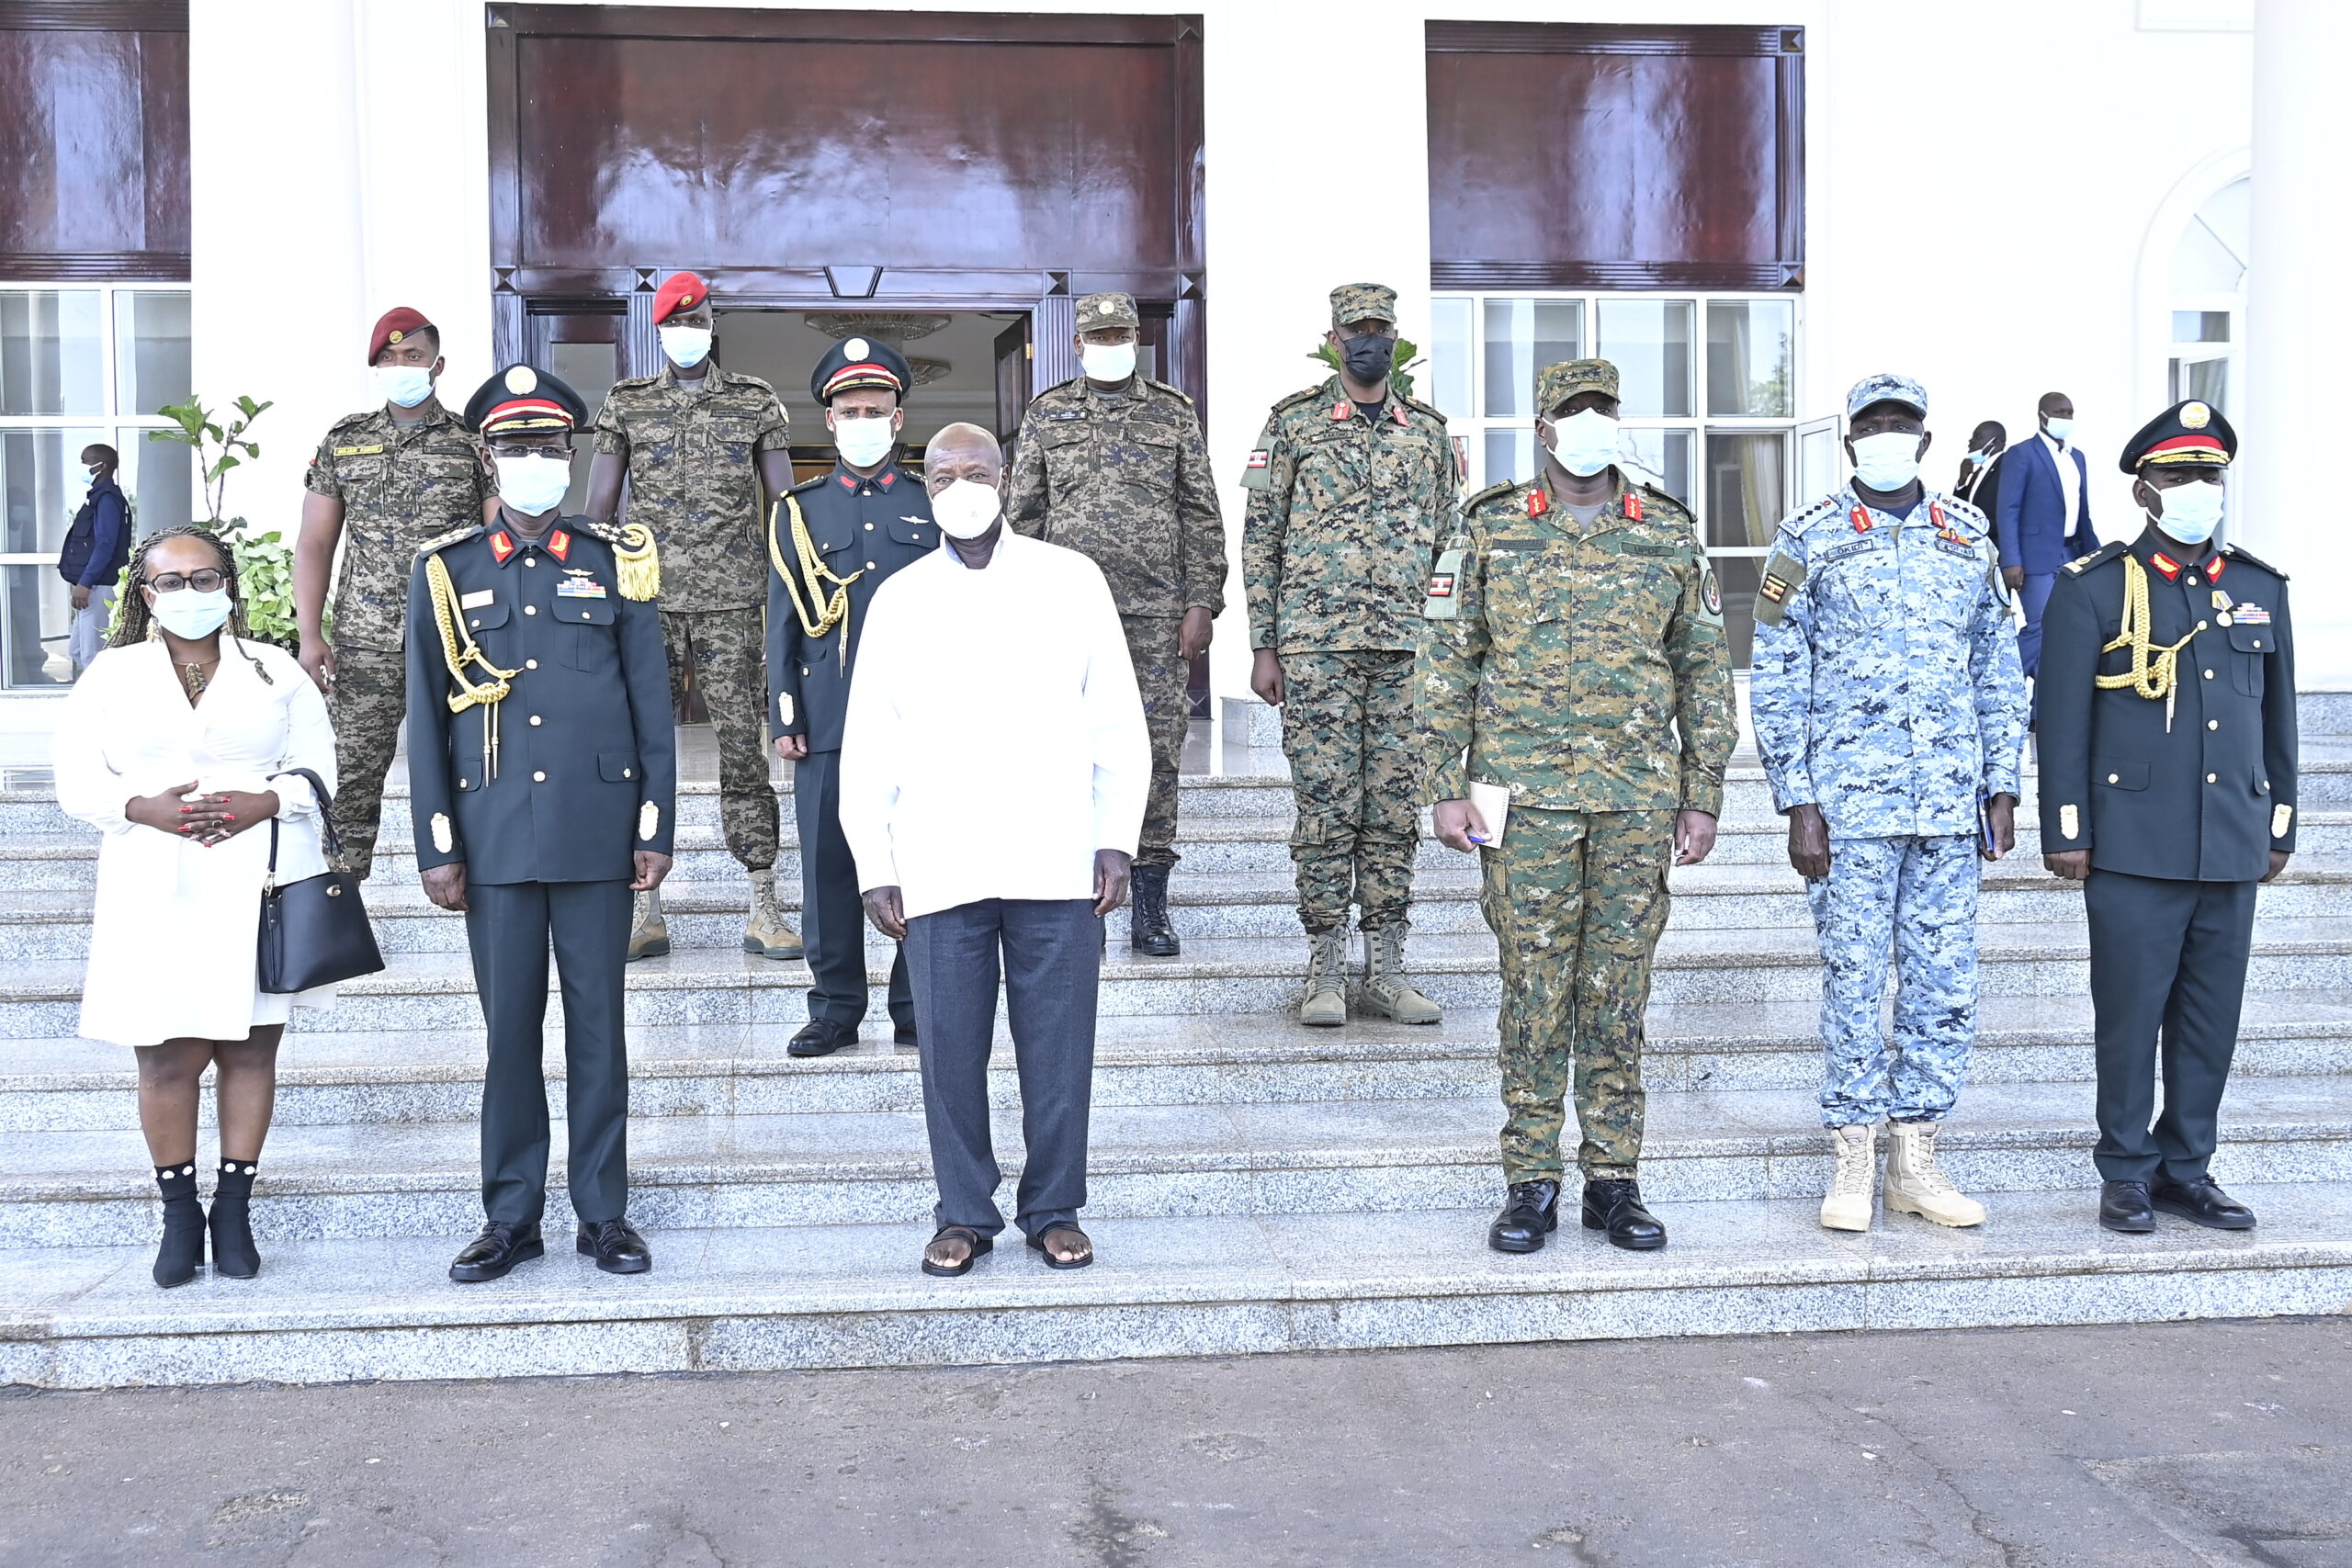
(394, 327)
(521, 401)
(859, 362)
(2191, 432)
(679, 291)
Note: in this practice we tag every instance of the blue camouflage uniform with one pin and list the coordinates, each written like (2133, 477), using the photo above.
(1886, 690)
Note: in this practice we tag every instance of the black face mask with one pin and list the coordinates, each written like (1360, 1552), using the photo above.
(1368, 357)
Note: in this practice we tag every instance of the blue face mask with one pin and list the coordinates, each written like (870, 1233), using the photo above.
(1978, 459)
(2060, 429)
(404, 386)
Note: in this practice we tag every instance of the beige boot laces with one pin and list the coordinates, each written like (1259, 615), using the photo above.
(1925, 1173)
(1855, 1165)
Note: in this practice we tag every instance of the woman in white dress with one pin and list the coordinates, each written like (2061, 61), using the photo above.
(174, 743)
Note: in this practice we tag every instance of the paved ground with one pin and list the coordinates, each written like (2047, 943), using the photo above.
(2187, 1445)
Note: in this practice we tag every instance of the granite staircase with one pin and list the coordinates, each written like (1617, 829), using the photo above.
(1256, 1185)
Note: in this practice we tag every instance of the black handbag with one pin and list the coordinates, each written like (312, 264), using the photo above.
(314, 932)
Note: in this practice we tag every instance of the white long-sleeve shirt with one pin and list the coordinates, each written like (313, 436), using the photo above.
(995, 739)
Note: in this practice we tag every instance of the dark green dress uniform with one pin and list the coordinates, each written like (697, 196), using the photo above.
(2178, 776)
(544, 792)
(856, 529)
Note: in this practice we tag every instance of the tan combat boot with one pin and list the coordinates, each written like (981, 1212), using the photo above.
(768, 935)
(649, 933)
(1848, 1207)
(1917, 1185)
(1324, 1002)
(1385, 989)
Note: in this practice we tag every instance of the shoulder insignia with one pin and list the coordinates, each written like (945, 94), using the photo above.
(1665, 507)
(2236, 552)
(350, 420)
(637, 562)
(1059, 392)
(745, 378)
(632, 384)
(1964, 510)
(1419, 407)
(1303, 395)
(443, 541)
(815, 483)
(1488, 494)
(2100, 556)
(1807, 516)
(1183, 397)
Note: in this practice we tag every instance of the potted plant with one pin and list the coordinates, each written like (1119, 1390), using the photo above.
(264, 561)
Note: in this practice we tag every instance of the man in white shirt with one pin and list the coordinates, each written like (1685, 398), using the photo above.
(993, 774)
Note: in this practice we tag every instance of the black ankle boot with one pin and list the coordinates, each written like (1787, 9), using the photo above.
(234, 1253)
(183, 1249)
(1150, 934)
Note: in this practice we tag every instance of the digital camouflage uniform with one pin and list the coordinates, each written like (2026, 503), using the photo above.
(1124, 478)
(400, 484)
(1343, 517)
(693, 455)
(1586, 670)
(1886, 690)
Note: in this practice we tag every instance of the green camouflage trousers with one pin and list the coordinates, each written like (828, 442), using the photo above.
(368, 705)
(1161, 675)
(1577, 900)
(724, 651)
(1347, 731)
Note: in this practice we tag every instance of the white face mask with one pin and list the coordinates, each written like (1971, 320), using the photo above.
(93, 473)
(1584, 443)
(2192, 511)
(864, 442)
(1107, 361)
(965, 509)
(403, 386)
(534, 484)
(189, 615)
(2060, 429)
(1887, 462)
(686, 346)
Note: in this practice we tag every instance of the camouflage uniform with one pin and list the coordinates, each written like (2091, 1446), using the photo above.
(1886, 690)
(1344, 513)
(1124, 478)
(693, 455)
(400, 484)
(1565, 661)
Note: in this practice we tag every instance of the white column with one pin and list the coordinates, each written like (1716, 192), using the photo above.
(2299, 322)
(278, 310)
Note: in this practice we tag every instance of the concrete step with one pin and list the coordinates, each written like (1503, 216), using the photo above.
(850, 1295)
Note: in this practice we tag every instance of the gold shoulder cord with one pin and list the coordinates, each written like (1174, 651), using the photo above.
(459, 649)
(2154, 672)
(820, 612)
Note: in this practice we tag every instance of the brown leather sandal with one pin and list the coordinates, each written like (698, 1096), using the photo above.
(982, 1246)
(1080, 1261)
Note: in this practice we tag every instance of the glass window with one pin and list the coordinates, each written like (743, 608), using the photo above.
(42, 477)
(1746, 496)
(1449, 379)
(1510, 455)
(1522, 337)
(1649, 342)
(35, 627)
(50, 360)
(160, 478)
(1736, 578)
(2200, 326)
(1751, 350)
(2206, 380)
(151, 346)
(1663, 456)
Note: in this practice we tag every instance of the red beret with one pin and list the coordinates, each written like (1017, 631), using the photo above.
(679, 291)
(391, 327)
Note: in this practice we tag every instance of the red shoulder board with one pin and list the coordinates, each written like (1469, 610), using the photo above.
(560, 545)
(1861, 516)
(1538, 504)
(2165, 564)
(1341, 409)
(501, 545)
(1633, 507)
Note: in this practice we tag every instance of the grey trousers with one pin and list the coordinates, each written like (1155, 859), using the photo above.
(1050, 953)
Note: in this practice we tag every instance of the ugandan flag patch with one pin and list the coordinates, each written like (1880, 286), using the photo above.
(1774, 588)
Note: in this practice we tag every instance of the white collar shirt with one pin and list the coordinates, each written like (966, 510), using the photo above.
(2070, 481)
(995, 739)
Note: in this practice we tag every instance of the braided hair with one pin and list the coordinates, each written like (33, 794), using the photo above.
(137, 624)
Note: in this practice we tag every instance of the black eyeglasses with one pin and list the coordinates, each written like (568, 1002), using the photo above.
(208, 581)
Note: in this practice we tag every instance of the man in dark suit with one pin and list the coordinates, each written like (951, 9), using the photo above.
(2168, 789)
(542, 772)
(832, 540)
(1980, 468)
(2042, 516)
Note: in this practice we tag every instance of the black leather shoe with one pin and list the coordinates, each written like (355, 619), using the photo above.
(2124, 1206)
(2203, 1202)
(904, 1034)
(820, 1037)
(497, 1249)
(1149, 930)
(1532, 1214)
(615, 1246)
(1616, 1207)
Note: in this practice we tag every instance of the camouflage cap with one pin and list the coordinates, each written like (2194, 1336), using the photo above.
(1886, 387)
(1098, 311)
(1558, 383)
(1363, 301)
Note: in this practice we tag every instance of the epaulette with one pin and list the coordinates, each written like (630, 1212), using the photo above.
(1967, 510)
(1673, 507)
(1413, 402)
(637, 560)
(362, 417)
(631, 383)
(443, 541)
(2100, 556)
(744, 378)
(1303, 395)
(814, 481)
(2239, 552)
(1183, 397)
(1807, 516)
(1488, 494)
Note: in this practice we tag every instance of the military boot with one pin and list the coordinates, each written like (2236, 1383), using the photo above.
(1847, 1205)
(768, 935)
(1149, 931)
(649, 934)
(1917, 1185)
(1324, 1002)
(1386, 992)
